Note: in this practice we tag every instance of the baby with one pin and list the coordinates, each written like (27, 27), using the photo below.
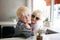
(36, 20)
(24, 19)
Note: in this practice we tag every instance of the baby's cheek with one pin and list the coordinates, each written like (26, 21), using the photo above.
(33, 21)
(29, 20)
(24, 19)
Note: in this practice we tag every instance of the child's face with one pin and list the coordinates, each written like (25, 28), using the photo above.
(34, 18)
(25, 18)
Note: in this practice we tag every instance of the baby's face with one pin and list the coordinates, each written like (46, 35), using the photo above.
(34, 18)
(25, 18)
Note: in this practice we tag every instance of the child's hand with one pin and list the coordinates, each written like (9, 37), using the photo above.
(27, 25)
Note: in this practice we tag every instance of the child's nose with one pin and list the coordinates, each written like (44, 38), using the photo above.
(34, 18)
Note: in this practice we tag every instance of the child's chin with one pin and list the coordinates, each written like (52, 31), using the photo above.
(29, 22)
(25, 21)
(33, 22)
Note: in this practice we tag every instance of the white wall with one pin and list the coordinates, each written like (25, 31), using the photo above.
(8, 8)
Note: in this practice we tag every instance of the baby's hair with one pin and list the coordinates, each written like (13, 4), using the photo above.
(21, 9)
(37, 12)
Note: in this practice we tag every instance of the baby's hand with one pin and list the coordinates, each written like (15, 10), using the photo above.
(27, 25)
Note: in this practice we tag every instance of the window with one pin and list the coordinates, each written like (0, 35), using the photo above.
(43, 6)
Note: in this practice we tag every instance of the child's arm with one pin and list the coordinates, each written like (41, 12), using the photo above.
(27, 26)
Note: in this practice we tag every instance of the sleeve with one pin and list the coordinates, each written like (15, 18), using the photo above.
(19, 27)
(37, 26)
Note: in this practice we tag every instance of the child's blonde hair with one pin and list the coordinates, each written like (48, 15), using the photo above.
(37, 13)
(22, 9)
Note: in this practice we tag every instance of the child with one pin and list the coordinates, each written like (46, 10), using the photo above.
(36, 20)
(24, 18)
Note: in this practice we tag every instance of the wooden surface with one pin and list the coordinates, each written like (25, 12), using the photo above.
(48, 2)
(57, 1)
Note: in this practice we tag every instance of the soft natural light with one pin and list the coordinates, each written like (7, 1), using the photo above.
(38, 4)
(41, 5)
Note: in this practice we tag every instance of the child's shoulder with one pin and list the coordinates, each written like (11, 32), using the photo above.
(20, 23)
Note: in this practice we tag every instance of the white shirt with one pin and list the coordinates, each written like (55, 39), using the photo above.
(37, 26)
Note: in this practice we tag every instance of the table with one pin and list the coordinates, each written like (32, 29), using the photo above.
(51, 36)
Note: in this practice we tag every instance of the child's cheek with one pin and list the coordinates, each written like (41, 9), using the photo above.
(24, 19)
(29, 19)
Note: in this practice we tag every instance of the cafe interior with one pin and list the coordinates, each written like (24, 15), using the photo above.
(49, 29)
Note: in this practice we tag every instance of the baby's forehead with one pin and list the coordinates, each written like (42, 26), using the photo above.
(36, 14)
(26, 14)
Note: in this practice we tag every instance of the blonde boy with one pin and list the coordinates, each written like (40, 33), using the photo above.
(24, 18)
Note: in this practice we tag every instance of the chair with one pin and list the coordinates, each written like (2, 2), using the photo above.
(7, 31)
